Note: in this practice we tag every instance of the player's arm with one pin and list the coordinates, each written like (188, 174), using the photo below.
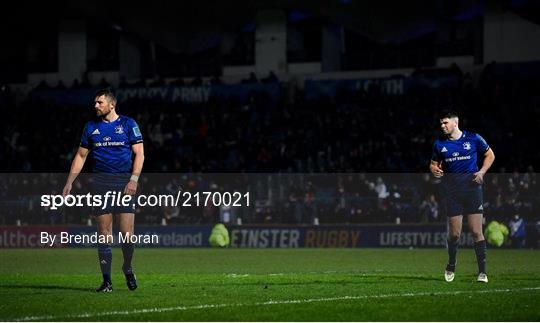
(489, 158)
(435, 168)
(76, 167)
(138, 161)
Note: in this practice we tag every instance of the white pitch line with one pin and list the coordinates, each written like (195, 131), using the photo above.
(233, 275)
(271, 302)
(237, 275)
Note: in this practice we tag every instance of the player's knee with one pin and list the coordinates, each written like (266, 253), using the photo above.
(126, 233)
(105, 233)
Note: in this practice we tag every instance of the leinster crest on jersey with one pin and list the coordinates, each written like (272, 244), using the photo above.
(119, 129)
(467, 145)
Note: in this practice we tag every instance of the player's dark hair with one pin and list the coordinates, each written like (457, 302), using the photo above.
(108, 93)
(448, 114)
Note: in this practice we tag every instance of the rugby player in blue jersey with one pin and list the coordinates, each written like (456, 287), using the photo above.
(115, 146)
(454, 160)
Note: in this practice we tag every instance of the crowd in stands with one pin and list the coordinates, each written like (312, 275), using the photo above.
(156, 82)
(375, 137)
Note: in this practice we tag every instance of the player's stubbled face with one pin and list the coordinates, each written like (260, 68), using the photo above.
(102, 106)
(448, 125)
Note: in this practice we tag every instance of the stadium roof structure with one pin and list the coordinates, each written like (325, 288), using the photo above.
(181, 26)
(164, 21)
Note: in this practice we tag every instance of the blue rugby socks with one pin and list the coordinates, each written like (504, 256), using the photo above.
(105, 260)
(127, 251)
(480, 250)
(452, 252)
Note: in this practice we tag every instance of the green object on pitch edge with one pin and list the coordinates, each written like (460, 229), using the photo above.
(495, 238)
(492, 226)
(219, 236)
(496, 233)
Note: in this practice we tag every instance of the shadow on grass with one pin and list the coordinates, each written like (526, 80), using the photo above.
(46, 287)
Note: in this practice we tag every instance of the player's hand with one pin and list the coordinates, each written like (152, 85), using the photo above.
(131, 188)
(478, 177)
(66, 190)
(437, 171)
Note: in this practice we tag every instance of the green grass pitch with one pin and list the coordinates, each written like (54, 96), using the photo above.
(270, 285)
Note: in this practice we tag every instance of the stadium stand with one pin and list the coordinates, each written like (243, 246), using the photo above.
(298, 135)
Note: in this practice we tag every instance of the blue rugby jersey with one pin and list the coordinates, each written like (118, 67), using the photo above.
(459, 159)
(110, 144)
